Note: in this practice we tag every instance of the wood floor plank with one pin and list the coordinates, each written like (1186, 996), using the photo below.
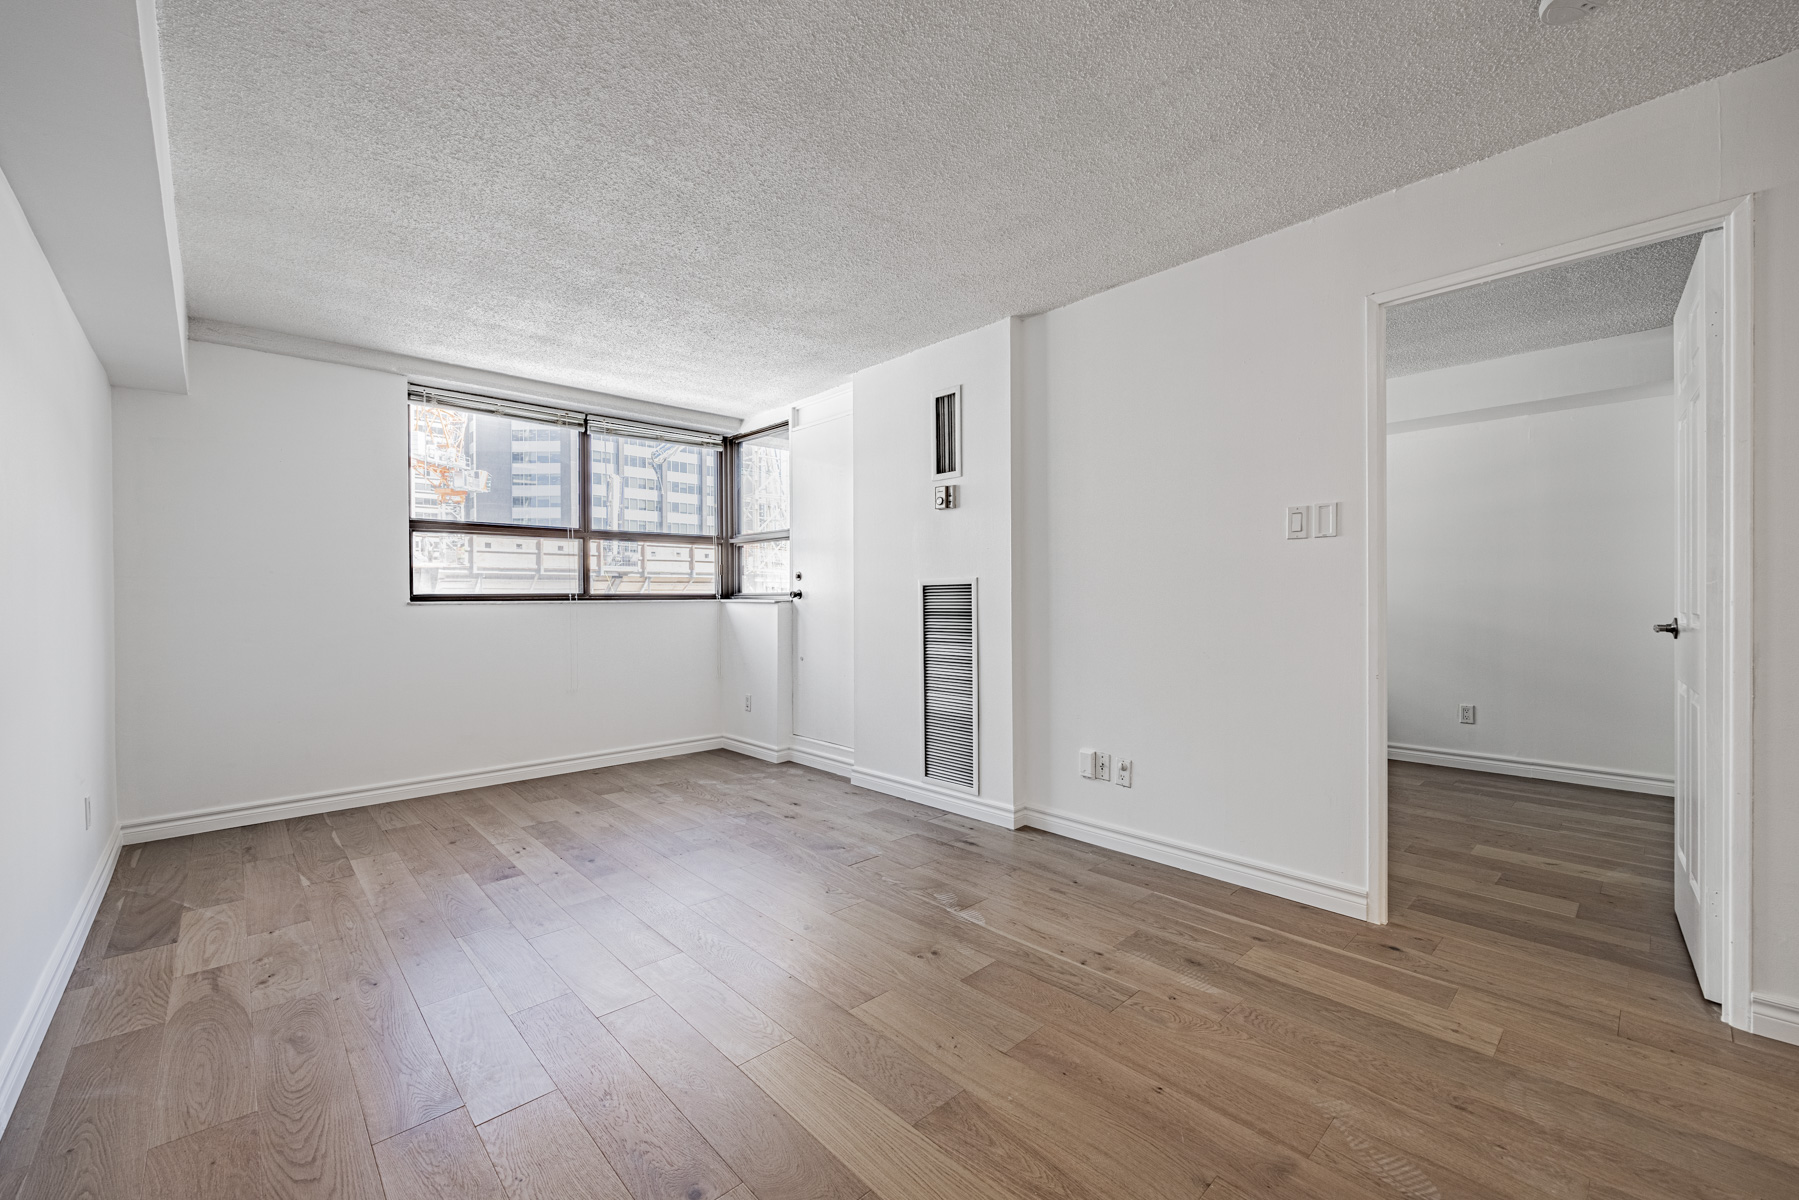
(865, 1135)
(600, 981)
(493, 1068)
(984, 1141)
(654, 1149)
(767, 1149)
(19, 1142)
(737, 1028)
(542, 1152)
(317, 856)
(97, 1134)
(130, 991)
(357, 832)
(206, 1076)
(1078, 1131)
(315, 1145)
(630, 940)
(443, 1159)
(274, 895)
(282, 965)
(224, 1162)
(514, 971)
(526, 906)
(211, 937)
(401, 1080)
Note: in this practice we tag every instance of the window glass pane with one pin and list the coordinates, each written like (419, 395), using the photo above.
(762, 496)
(641, 485)
(764, 567)
(620, 568)
(492, 470)
(472, 564)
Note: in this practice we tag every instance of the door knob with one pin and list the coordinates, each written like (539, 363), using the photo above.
(797, 595)
(1672, 627)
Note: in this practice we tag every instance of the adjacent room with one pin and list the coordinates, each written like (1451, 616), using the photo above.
(899, 602)
(1546, 494)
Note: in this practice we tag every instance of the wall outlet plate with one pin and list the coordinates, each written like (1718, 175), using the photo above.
(1102, 766)
(1122, 774)
(945, 495)
(1467, 714)
(746, 704)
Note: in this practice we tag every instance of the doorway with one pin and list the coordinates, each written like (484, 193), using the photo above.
(1559, 460)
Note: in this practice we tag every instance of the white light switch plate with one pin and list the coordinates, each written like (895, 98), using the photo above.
(1326, 524)
(1297, 521)
(1087, 763)
(1102, 766)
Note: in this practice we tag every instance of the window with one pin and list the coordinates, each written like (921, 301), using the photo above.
(761, 513)
(517, 501)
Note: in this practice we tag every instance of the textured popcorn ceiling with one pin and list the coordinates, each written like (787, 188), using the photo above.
(730, 205)
(1581, 301)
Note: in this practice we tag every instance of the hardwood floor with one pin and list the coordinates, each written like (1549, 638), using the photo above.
(712, 977)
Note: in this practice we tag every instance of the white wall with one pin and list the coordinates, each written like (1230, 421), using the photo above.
(1527, 556)
(56, 639)
(824, 562)
(1167, 423)
(755, 665)
(266, 648)
(902, 540)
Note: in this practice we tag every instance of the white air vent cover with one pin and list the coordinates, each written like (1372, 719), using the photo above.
(951, 691)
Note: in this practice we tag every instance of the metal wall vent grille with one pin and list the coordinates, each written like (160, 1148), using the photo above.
(951, 692)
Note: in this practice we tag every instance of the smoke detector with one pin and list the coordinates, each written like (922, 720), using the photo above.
(1566, 12)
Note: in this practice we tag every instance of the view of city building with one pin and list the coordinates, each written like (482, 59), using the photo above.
(479, 468)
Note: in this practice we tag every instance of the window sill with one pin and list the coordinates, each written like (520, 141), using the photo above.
(758, 600)
(596, 601)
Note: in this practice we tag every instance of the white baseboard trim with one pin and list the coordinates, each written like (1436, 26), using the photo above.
(839, 760)
(922, 792)
(27, 1036)
(1246, 872)
(826, 756)
(225, 817)
(1774, 1017)
(1503, 764)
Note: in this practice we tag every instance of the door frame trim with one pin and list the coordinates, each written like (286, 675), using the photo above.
(1735, 691)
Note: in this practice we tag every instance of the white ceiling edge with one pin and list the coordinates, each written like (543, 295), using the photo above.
(834, 401)
(84, 144)
(449, 375)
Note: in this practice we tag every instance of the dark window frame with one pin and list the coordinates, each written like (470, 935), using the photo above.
(731, 557)
(583, 533)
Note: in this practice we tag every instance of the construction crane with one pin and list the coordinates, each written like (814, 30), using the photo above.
(440, 457)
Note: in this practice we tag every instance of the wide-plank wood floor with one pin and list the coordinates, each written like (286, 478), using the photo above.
(712, 977)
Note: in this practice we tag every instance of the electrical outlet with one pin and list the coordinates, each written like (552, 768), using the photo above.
(1467, 714)
(746, 704)
(87, 812)
(1122, 776)
(1102, 766)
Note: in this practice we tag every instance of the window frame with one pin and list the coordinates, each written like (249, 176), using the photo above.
(582, 532)
(731, 556)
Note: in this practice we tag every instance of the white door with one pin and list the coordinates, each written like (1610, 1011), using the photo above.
(1699, 755)
(823, 562)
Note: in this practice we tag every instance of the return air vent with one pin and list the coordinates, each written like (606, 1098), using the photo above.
(951, 691)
